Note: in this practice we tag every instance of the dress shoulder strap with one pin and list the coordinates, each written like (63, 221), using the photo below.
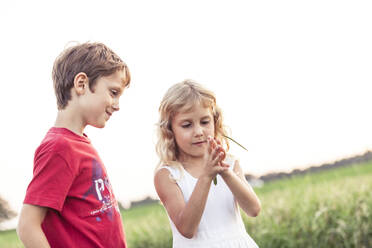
(174, 171)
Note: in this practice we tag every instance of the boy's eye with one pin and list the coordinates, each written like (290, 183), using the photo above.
(114, 92)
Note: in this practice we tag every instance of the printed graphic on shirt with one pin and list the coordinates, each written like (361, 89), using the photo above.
(101, 190)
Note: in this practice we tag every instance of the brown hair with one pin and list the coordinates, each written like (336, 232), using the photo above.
(94, 59)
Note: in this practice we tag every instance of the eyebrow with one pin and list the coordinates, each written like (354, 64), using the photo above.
(117, 88)
(188, 119)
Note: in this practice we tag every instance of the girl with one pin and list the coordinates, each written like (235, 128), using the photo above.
(191, 141)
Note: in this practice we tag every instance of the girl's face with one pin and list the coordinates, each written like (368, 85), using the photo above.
(191, 130)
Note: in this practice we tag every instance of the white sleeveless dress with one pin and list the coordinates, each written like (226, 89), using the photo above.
(221, 225)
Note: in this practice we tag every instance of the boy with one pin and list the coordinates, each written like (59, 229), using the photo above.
(69, 202)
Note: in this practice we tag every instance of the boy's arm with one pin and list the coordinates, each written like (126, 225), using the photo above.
(29, 226)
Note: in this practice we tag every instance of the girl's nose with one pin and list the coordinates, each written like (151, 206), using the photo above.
(198, 130)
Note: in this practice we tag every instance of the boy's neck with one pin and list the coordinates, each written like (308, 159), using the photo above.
(67, 119)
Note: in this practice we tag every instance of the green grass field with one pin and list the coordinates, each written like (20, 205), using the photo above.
(324, 210)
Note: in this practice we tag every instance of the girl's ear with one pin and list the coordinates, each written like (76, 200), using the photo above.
(217, 123)
(81, 83)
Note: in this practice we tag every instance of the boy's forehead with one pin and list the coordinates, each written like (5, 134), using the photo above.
(118, 78)
(123, 76)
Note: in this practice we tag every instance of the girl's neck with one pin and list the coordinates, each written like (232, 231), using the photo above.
(192, 162)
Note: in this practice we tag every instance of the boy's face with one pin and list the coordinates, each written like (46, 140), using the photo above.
(98, 106)
(191, 130)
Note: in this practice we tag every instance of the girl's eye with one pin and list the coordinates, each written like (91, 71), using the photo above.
(205, 122)
(186, 125)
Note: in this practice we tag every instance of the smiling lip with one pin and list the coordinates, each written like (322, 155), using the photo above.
(199, 143)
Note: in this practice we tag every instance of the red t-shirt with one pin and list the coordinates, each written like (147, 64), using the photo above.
(70, 179)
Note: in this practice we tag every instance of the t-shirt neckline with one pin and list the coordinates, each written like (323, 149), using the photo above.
(68, 132)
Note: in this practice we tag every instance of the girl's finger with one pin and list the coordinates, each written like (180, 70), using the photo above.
(209, 143)
(221, 169)
(218, 152)
(213, 154)
(221, 148)
(224, 153)
(213, 144)
(224, 165)
(217, 158)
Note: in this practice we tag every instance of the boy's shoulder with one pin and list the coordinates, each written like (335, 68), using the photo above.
(60, 140)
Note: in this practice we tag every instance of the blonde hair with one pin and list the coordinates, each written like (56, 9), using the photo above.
(182, 97)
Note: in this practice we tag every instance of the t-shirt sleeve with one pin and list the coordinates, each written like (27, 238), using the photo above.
(51, 181)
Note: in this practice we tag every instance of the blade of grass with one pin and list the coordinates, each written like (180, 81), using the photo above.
(215, 179)
(235, 142)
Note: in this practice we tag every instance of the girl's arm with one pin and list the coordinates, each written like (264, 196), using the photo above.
(29, 227)
(241, 190)
(185, 216)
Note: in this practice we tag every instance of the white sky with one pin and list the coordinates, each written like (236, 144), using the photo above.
(292, 77)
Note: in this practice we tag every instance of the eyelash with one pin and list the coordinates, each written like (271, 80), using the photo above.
(114, 92)
(189, 124)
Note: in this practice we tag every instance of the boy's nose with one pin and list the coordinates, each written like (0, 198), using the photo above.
(115, 106)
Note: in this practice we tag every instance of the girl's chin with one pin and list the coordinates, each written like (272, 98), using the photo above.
(193, 156)
(198, 154)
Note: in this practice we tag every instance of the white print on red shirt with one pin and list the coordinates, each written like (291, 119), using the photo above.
(102, 191)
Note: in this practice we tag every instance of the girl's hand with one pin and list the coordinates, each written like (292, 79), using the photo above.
(213, 159)
(217, 145)
(223, 156)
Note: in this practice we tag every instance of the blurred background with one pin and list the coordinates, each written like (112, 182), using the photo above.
(293, 79)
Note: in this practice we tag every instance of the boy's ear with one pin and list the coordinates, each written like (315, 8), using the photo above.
(81, 83)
